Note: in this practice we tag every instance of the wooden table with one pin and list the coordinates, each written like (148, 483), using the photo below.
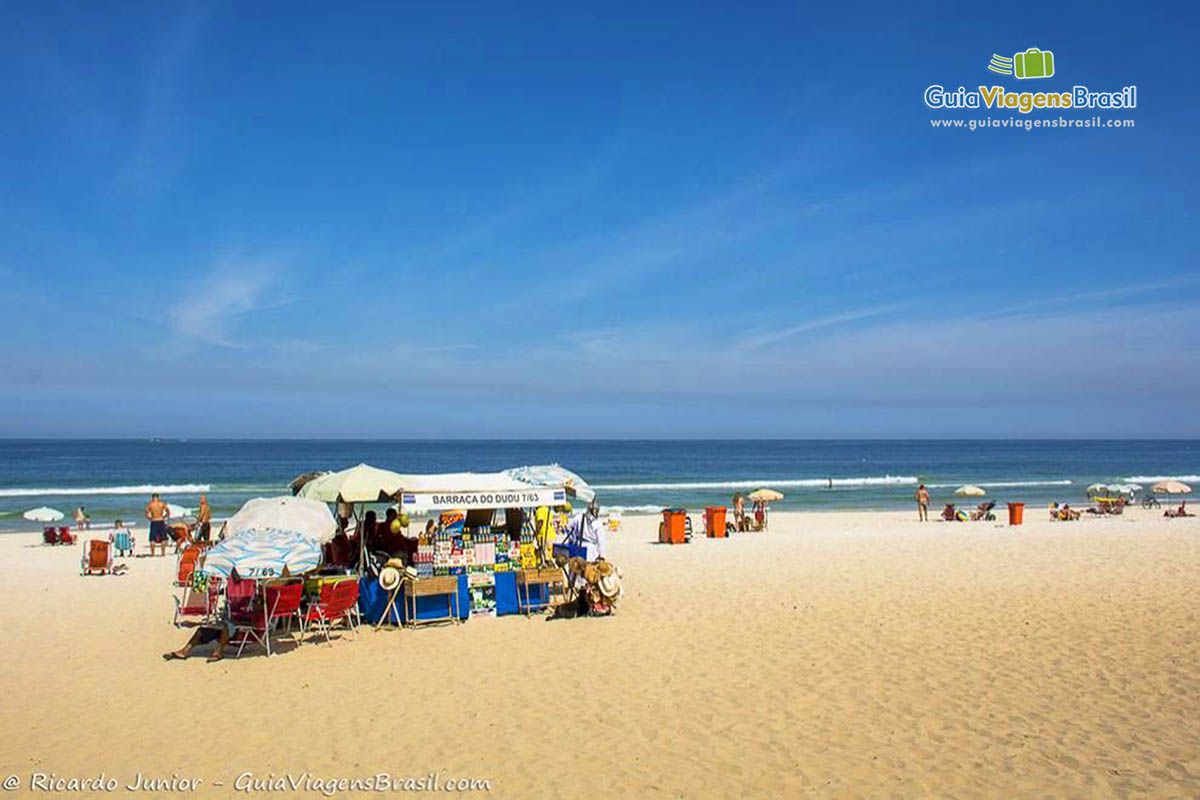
(426, 587)
(548, 576)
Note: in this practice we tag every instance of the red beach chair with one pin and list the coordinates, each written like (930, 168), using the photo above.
(97, 558)
(283, 603)
(197, 606)
(66, 537)
(253, 624)
(49, 535)
(338, 601)
(189, 559)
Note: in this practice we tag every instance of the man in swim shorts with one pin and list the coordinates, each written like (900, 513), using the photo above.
(204, 521)
(156, 512)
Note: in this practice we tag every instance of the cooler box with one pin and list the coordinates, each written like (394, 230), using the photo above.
(1016, 512)
(674, 529)
(714, 522)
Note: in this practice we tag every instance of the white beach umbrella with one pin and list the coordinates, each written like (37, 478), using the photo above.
(969, 491)
(361, 484)
(43, 514)
(1098, 488)
(307, 517)
(178, 512)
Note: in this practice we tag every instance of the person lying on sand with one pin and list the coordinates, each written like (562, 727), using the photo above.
(201, 636)
(1179, 512)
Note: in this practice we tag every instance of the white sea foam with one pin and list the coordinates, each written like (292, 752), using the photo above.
(180, 488)
(631, 509)
(1001, 484)
(1157, 478)
(774, 483)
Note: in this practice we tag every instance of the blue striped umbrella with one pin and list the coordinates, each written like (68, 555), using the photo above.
(263, 553)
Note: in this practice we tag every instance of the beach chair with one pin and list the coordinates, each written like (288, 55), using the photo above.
(123, 542)
(197, 605)
(97, 558)
(50, 535)
(948, 513)
(283, 604)
(66, 537)
(984, 512)
(338, 602)
(189, 559)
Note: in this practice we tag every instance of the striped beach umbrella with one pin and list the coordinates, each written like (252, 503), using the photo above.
(263, 553)
(553, 475)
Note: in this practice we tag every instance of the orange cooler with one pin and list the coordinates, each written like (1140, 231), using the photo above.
(714, 522)
(1016, 512)
(674, 529)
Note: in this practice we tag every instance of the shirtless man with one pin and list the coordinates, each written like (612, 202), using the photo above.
(204, 521)
(922, 498)
(156, 512)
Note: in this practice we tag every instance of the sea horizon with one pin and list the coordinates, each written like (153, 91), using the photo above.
(113, 477)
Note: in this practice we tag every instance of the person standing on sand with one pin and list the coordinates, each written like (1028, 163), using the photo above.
(82, 520)
(204, 521)
(922, 498)
(156, 512)
(739, 513)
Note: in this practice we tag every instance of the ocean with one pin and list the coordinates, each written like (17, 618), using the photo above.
(113, 479)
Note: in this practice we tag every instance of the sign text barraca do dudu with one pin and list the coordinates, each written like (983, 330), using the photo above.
(997, 98)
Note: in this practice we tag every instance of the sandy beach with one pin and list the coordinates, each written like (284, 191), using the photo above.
(837, 655)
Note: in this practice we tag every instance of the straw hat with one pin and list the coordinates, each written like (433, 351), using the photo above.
(398, 563)
(610, 586)
(590, 574)
(605, 568)
(389, 578)
(411, 572)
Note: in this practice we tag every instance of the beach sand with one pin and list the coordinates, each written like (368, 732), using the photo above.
(837, 655)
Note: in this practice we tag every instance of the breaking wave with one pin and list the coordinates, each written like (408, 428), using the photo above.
(1000, 484)
(883, 480)
(1157, 478)
(180, 488)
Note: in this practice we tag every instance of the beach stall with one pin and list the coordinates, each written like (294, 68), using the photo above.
(487, 546)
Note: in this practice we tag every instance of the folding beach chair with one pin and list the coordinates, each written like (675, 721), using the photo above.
(283, 603)
(97, 558)
(49, 535)
(123, 542)
(338, 601)
(198, 604)
(248, 617)
(66, 537)
(189, 559)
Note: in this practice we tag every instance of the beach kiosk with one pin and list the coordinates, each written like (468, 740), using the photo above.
(498, 567)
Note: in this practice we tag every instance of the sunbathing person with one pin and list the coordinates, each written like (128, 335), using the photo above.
(204, 634)
(1179, 512)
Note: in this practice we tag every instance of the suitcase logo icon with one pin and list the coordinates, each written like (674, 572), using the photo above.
(1033, 63)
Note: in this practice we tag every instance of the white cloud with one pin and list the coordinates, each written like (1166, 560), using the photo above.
(209, 311)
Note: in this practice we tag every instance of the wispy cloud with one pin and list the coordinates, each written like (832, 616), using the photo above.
(155, 158)
(210, 309)
(819, 323)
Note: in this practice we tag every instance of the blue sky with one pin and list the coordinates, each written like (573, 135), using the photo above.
(593, 220)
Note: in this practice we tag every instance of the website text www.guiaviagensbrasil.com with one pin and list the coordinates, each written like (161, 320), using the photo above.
(1019, 123)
